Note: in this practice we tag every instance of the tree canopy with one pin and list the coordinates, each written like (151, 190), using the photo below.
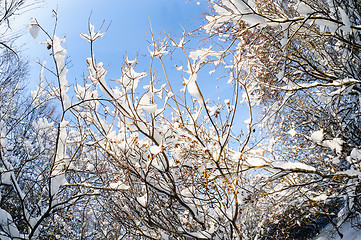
(149, 156)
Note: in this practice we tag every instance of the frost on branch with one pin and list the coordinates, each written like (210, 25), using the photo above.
(60, 162)
(39, 95)
(34, 28)
(8, 225)
(92, 35)
(59, 58)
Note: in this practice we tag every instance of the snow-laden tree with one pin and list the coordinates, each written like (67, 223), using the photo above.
(301, 63)
(32, 149)
(152, 156)
(163, 162)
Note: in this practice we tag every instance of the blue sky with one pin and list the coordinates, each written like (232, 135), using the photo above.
(129, 23)
(127, 34)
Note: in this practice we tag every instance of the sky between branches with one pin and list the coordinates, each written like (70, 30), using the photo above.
(128, 21)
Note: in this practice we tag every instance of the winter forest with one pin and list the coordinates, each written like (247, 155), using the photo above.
(164, 151)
